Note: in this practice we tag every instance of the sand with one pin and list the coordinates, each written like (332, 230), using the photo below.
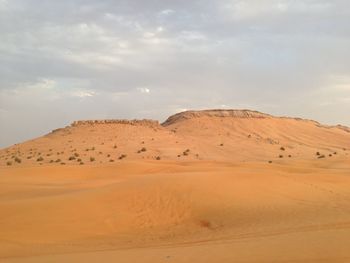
(223, 201)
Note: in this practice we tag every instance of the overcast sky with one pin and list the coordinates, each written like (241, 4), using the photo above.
(89, 59)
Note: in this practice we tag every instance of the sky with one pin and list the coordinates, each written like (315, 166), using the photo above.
(68, 60)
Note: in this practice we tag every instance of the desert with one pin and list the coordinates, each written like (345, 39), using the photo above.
(203, 186)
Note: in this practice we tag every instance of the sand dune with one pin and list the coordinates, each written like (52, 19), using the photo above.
(212, 197)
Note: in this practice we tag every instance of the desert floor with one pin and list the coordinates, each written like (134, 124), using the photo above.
(171, 211)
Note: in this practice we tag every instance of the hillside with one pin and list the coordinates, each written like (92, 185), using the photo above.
(216, 186)
(226, 135)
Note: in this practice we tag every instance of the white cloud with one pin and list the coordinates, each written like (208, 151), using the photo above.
(144, 90)
(82, 93)
(166, 12)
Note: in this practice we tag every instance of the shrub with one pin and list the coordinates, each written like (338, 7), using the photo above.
(330, 155)
(321, 156)
(143, 149)
(115, 146)
(18, 160)
(81, 163)
(51, 161)
(158, 158)
(335, 153)
(108, 155)
(270, 161)
(289, 156)
(111, 160)
(221, 144)
(93, 149)
(282, 149)
(63, 163)
(58, 160)
(92, 159)
(318, 153)
(121, 157)
(8, 163)
(71, 158)
(76, 154)
(40, 159)
(79, 160)
(281, 156)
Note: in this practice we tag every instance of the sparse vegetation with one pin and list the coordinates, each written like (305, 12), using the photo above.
(282, 148)
(79, 160)
(71, 158)
(290, 156)
(8, 163)
(111, 160)
(321, 156)
(186, 152)
(142, 150)
(221, 144)
(92, 159)
(58, 160)
(158, 158)
(76, 154)
(115, 146)
(40, 159)
(318, 153)
(270, 161)
(280, 156)
(121, 157)
(18, 160)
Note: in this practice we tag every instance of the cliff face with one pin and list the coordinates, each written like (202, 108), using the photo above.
(215, 113)
(143, 122)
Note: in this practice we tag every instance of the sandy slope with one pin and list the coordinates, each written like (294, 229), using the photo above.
(222, 201)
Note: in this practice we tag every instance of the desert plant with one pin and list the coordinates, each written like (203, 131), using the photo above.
(79, 160)
(270, 161)
(92, 159)
(289, 156)
(58, 160)
(115, 146)
(282, 149)
(63, 163)
(280, 156)
(8, 163)
(335, 153)
(121, 157)
(40, 159)
(321, 156)
(318, 153)
(81, 163)
(158, 158)
(221, 144)
(71, 158)
(108, 155)
(76, 154)
(51, 161)
(18, 160)
(111, 160)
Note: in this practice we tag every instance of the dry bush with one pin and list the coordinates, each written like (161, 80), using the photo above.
(121, 157)
(92, 159)
(40, 159)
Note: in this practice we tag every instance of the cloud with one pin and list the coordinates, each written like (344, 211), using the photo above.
(144, 90)
(69, 60)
